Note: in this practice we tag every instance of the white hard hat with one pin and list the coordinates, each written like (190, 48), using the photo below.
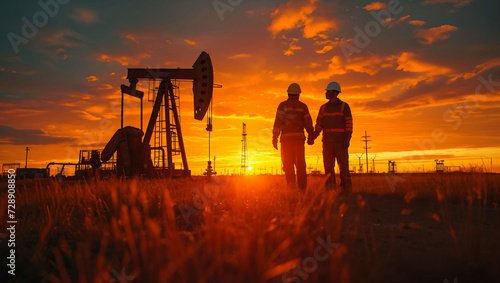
(333, 86)
(294, 89)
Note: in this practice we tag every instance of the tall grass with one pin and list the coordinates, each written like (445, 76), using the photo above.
(231, 229)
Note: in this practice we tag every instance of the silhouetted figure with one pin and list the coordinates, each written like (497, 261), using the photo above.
(292, 117)
(335, 120)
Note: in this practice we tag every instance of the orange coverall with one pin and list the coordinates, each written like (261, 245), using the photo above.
(292, 117)
(335, 120)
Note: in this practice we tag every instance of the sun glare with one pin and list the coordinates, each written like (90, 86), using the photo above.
(250, 168)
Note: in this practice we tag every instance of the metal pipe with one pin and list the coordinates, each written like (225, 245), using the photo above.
(168, 86)
(26, 165)
(141, 113)
(122, 112)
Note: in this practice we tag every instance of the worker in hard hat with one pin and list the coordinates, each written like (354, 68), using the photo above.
(292, 117)
(335, 120)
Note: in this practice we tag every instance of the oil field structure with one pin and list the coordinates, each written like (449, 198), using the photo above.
(153, 153)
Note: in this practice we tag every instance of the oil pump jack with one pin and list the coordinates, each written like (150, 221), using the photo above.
(133, 146)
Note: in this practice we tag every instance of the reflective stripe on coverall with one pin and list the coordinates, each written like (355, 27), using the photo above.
(335, 120)
(292, 117)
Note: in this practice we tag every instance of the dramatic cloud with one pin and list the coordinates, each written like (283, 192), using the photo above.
(416, 23)
(410, 62)
(394, 22)
(369, 64)
(402, 19)
(375, 6)
(131, 37)
(434, 34)
(17, 72)
(300, 15)
(315, 26)
(190, 42)
(124, 60)
(83, 15)
(456, 3)
(419, 94)
(292, 48)
(92, 78)
(495, 62)
(19, 112)
(63, 37)
(325, 49)
(291, 15)
(13, 136)
(87, 116)
(488, 65)
(239, 56)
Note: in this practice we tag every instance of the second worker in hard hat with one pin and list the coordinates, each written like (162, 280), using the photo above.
(292, 117)
(335, 120)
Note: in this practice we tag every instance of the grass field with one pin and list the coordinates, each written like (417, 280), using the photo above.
(398, 228)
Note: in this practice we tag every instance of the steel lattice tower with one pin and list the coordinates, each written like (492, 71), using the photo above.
(366, 139)
(244, 155)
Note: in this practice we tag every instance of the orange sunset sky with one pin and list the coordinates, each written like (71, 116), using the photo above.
(421, 77)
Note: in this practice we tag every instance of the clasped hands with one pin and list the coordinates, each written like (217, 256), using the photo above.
(312, 137)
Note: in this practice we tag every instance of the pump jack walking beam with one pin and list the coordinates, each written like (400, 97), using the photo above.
(202, 75)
